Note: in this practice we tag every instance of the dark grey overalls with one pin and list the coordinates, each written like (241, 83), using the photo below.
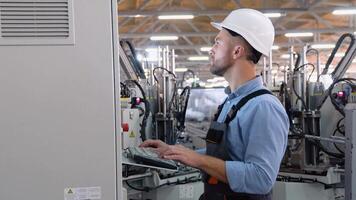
(216, 147)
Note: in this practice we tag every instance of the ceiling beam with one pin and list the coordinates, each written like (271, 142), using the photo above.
(153, 28)
(321, 20)
(238, 3)
(281, 45)
(126, 20)
(185, 38)
(211, 12)
(202, 34)
(144, 21)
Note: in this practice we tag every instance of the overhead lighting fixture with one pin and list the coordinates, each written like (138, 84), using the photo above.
(344, 12)
(274, 71)
(181, 69)
(156, 38)
(165, 17)
(139, 57)
(211, 80)
(151, 50)
(273, 15)
(198, 58)
(285, 56)
(351, 71)
(303, 34)
(219, 78)
(338, 55)
(149, 57)
(275, 47)
(205, 49)
(192, 80)
(139, 16)
(322, 46)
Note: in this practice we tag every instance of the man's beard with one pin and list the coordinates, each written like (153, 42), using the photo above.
(219, 70)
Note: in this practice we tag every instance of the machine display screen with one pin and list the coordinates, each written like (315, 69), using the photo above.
(203, 103)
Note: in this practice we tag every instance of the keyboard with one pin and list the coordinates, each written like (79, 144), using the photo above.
(148, 157)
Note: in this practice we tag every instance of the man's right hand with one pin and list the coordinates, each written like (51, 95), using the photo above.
(158, 146)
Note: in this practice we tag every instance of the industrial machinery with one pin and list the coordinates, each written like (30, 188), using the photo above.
(153, 106)
(317, 153)
(319, 139)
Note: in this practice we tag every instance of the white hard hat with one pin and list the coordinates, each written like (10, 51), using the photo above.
(253, 26)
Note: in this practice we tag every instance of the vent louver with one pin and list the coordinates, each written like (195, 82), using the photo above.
(35, 19)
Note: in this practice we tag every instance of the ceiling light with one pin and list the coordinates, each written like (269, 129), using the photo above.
(219, 78)
(198, 58)
(139, 57)
(205, 49)
(172, 37)
(351, 71)
(139, 16)
(176, 17)
(272, 15)
(274, 71)
(181, 69)
(338, 55)
(344, 12)
(151, 50)
(322, 46)
(304, 34)
(191, 80)
(211, 80)
(275, 47)
(150, 56)
(285, 56)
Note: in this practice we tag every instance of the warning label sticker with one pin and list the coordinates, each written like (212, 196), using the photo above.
(82, 193)
(132, 134)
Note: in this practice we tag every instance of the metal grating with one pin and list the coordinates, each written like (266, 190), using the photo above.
(34, 19)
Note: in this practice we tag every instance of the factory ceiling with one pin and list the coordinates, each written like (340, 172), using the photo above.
(139, 21)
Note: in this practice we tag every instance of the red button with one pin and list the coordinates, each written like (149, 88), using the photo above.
(125, 127)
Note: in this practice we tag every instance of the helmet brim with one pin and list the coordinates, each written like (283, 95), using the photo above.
(216, 25)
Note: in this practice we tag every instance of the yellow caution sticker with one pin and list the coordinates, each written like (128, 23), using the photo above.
(132, 134)
(82, 193)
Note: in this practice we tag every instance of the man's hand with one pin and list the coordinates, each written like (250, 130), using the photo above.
(213, 166)
(174, 152)
(158, 146)
(183, 155)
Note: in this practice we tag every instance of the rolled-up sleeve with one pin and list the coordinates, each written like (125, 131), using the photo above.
(201, 151)
(265, 131)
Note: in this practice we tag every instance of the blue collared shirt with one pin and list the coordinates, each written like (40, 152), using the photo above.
(256, 140)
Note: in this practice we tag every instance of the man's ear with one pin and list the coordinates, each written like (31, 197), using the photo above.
(238, 51)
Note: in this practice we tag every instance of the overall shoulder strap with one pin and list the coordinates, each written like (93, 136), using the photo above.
(235, 108)
(220, 107)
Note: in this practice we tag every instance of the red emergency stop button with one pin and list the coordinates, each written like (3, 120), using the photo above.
(125, 127)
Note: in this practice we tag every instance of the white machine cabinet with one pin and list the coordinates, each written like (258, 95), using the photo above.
(59, 119)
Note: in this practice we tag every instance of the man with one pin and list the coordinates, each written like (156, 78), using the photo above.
(248, 137)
